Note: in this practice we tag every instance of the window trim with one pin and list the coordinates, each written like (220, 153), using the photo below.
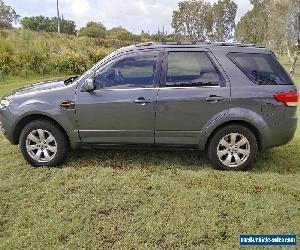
(249, 78)
(163, 78)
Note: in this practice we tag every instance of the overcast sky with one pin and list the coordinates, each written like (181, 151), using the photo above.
(134, 15)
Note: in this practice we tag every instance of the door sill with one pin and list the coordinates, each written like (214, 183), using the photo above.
(138, 146)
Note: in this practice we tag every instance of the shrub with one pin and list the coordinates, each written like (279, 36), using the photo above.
(24, 51)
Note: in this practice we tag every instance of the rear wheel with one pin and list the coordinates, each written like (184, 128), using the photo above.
(43, 143)
(233, 147)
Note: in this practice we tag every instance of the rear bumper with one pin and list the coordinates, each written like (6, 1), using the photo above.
(281, 134)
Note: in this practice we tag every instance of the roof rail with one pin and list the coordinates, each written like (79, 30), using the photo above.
(200, 43)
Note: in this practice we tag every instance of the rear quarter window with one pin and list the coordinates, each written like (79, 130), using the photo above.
(262, 69)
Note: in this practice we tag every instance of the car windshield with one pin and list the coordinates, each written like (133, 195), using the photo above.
(96, 65)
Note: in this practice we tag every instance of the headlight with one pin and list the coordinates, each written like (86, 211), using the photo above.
(4, 104)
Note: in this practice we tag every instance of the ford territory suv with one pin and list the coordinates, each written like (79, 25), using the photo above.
(230, 100)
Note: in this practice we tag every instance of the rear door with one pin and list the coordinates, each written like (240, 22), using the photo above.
(193, 92)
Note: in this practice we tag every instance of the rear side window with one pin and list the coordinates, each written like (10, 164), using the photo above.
(191, 69)
(262, 69)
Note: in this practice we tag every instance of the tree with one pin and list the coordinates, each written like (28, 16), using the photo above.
(93, 29)
(7, 16)
(222, 20)
(46, 24)
(253, 26)
(293, 31)
(191, 19)
(275, 24)
(119, 33)
(199, 20)
(145, 36)
(66, 26)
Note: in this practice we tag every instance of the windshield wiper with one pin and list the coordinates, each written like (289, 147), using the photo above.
(70, 80)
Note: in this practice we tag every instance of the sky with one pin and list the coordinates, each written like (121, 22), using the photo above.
(134, 15)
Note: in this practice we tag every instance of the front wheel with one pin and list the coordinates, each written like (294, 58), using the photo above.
(43, 143)
(233, 147)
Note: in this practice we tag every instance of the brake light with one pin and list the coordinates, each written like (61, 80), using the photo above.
(290, 99)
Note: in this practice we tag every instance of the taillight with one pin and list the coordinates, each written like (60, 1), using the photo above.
(290, 99)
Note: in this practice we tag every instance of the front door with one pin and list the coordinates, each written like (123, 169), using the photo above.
(193, 93)
(122, 108)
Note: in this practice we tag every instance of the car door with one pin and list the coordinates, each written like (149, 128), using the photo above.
(193, 92)
(122, 107)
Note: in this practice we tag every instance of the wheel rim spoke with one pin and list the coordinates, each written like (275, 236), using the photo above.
(46, 155)
(223, 152)
(237, 159)
(38, 154)
(241, 142)
(224, 143)
(243, 151)
(41, 134)
(233, 138)
(52, 149)
(31, 147)
(33, 138)
(228, 160)
(49, 139)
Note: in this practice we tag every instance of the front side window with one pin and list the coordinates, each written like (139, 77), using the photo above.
(131, 72)
(262, 69)
(191, 69)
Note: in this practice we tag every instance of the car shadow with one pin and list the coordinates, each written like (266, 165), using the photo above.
(139, 158)
(278, 160)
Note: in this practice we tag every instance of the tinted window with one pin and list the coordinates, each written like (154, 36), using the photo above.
(262, 69)
(131, 72)
(191, 69)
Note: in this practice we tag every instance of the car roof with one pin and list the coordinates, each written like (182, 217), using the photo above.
(223, 46)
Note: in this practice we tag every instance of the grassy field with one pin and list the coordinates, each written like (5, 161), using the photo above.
(142, 199)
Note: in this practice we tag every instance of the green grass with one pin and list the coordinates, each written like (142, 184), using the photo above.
(140, 199)
(9, 82)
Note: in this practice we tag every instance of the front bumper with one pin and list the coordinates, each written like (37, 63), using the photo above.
(6, 124)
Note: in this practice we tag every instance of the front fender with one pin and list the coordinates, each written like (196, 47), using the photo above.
(65, 118)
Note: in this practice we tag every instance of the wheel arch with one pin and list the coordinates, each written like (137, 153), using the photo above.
(246, 124)
(32, 117)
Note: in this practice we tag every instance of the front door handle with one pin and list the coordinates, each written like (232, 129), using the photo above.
(214, 98)
(142, 101)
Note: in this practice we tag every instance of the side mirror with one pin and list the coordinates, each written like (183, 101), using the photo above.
(88, 86)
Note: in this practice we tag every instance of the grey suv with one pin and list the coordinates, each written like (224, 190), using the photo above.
(227, 99)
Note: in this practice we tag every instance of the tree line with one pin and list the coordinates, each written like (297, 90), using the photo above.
(272, 23)
(194, 19)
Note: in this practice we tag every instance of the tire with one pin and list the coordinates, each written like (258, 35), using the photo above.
(43, 143)
(233, 147)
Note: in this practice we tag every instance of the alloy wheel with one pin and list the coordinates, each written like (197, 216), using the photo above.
(233, 150)
(41, 145)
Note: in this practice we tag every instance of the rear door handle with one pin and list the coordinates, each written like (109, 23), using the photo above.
(142, 101)
(214, 98)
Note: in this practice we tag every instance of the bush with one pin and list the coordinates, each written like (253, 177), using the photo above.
(93, 29)
(24, 50)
